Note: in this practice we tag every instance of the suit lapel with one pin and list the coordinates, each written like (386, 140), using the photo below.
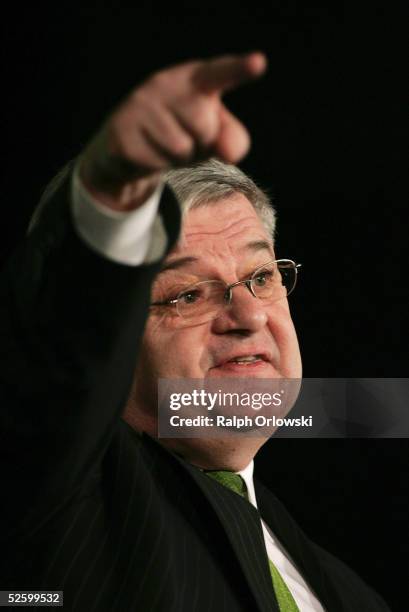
(298, 546)
(241, 523)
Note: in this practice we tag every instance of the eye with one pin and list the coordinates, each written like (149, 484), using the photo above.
(190, 297)
(263, 278)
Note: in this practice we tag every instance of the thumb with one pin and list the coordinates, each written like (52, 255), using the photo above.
(233, 140)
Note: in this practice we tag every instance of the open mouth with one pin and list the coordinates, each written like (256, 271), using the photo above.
(244, 364)
(246, 360)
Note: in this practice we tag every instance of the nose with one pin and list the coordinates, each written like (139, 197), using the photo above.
(244, 315)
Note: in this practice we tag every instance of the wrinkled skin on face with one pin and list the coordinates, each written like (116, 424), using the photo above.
(226, 241)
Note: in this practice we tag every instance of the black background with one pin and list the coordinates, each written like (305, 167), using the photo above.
(327, 124)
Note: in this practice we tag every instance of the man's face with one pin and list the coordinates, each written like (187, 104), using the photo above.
(222, 241)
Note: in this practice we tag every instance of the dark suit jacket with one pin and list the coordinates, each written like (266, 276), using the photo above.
(93, 508)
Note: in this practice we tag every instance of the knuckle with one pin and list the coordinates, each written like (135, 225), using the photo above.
(182, 147)
(139, 98)
(162, 80)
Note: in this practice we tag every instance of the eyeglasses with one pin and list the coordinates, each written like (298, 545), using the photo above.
(205, 300)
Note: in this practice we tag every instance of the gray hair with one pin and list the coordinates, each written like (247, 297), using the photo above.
(213, 180)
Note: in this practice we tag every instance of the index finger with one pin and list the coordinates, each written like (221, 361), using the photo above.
(229, 71)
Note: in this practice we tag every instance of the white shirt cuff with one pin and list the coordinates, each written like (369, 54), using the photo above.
(131, 238)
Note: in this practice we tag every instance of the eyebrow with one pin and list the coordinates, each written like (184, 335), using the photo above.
(180, 262)
(259, 245)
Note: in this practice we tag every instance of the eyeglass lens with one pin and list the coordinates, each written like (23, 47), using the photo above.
(204, 300)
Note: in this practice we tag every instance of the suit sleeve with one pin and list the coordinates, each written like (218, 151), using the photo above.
(70, 326)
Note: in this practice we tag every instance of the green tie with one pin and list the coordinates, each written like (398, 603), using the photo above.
(235, 483)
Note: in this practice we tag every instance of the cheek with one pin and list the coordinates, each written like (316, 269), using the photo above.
(160, 322)
(171, 350)
(282, 329)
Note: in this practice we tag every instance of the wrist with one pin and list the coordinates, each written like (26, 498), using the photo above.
(113, 183)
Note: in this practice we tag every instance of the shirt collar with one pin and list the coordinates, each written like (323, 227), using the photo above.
(247, 475)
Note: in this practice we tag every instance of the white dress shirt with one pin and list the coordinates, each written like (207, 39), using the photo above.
(139, 237)
(131, 238)
(303, 596)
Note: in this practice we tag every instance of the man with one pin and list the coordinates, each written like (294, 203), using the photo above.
(95, 505)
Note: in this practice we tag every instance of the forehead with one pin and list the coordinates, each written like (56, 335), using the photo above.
(222, 228)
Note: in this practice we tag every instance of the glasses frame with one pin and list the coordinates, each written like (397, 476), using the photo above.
(248, 282)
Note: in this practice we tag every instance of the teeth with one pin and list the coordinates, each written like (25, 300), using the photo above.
(246, 359)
